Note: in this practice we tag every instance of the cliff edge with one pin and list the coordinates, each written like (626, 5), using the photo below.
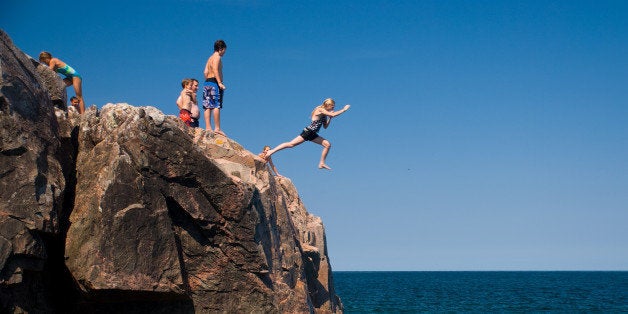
(125, 209)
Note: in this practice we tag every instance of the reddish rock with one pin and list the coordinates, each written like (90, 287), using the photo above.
(128, 210)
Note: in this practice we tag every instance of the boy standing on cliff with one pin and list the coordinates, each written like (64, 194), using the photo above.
(213, 89)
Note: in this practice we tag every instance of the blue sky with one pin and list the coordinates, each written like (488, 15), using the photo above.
(483, 135)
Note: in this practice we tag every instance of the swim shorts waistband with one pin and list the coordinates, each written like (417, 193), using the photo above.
(211, 79)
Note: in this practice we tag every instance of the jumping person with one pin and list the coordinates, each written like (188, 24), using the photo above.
(71, 76)
(214, 87)
(321, 116)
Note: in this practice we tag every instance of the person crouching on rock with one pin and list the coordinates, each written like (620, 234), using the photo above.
(188, 104)
(321, 116)
(71, 76)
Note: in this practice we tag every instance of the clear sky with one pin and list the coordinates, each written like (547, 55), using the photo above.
(483, 135)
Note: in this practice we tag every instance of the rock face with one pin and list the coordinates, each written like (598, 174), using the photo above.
(32, 184)
(51, 83)
(129, 210)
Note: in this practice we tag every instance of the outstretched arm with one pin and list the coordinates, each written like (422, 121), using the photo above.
(335, 113)
(332, 114)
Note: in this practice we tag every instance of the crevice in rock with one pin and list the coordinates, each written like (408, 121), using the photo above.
(189, 182)
(4, 104)
(67, 155)
(174, 210)
(124, 301)
(18, 151)
(62, 290)
(264, 237)
(182, 219)
(41, 182)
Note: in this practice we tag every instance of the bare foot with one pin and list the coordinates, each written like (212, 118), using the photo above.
(220, 132)
(323, 166)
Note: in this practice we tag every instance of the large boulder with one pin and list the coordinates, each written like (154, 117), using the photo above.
(126, 209)
(53, 84)
(183, 214)
(32, 183)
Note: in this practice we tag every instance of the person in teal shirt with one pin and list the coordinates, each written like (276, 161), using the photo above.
(71, 76)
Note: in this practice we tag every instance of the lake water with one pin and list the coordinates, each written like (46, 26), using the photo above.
(499, 291)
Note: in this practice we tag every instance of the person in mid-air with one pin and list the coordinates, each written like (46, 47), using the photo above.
(321, 116)
(71, 76)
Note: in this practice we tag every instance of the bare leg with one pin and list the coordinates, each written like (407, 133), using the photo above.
(216, 113)
(78, 90)
(208, 125)
(296, 141)
(326, 147)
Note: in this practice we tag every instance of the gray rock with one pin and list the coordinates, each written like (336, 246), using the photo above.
(32, 183)
(53, 84)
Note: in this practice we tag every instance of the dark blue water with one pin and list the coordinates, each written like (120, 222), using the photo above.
(409, 292)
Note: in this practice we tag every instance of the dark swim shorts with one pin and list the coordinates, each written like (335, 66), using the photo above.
(308, 134)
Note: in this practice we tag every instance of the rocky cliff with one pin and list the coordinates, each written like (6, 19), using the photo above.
(125, 209)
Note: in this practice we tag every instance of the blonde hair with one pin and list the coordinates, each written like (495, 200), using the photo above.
(326, 103)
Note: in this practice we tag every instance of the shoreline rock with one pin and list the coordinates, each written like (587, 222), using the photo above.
(126, 209)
